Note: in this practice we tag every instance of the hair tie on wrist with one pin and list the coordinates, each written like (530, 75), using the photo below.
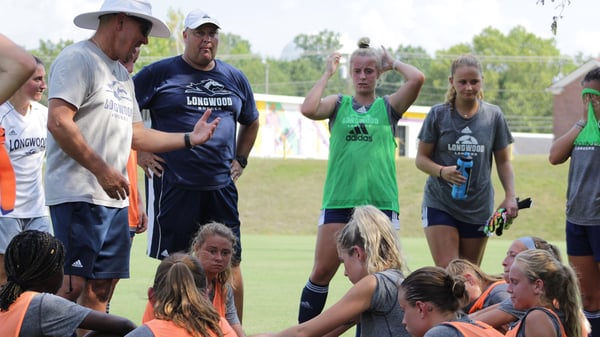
(441, 168)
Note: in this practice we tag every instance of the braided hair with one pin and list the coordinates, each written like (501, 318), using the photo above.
(32, 258)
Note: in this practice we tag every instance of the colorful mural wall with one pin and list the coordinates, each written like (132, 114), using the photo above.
(285, 133)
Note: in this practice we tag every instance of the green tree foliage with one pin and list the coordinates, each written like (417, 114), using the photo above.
(518, 67)
(436, 84)
(175, 24)
(290, 78)
(231, 44)
(236, 51)
(392, 80)
(159, 48)
(317, 47)
(510, 80)
(48, 50)
(308, 68)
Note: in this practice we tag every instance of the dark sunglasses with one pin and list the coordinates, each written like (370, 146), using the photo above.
(145, 25)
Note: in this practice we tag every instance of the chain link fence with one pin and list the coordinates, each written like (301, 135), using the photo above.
(530, 124)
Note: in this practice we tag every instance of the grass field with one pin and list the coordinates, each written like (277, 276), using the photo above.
(284, 196)
(279, 206)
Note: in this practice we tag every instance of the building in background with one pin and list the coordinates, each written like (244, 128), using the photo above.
(285, 133)
(567, 104)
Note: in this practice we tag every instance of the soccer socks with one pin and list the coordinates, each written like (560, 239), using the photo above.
(594, 319)
(312, 301)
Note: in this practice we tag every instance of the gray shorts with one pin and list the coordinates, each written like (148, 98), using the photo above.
(10, 227)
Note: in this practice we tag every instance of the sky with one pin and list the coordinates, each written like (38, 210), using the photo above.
(271, 25)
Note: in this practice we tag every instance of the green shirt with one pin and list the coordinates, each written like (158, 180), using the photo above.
(362, 167)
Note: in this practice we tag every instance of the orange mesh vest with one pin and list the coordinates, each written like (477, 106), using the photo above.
(148, 313)
(226, 329)
(134, 211)
(475, 329)
(225, 326)
(219, 300)
(478, 305)
(161, 328)
(12, 320)
(8, 181)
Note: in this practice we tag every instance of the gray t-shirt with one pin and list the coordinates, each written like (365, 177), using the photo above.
(452, 136)
(507, 307)
(497, 295)
(141, 331)
(384, 316)
(51, 315)
(584, 186)
(102, 92)
(231, 314)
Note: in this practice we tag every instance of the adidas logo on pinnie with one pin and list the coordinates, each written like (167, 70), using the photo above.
(359, 134)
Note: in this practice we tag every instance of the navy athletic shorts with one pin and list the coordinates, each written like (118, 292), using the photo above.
(432, 217)
(96, 239)
(583, 240)
(343, 215)
(175, 214)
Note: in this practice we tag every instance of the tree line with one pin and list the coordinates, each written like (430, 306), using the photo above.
(518, 67)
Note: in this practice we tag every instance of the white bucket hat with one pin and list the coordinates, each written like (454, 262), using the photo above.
(138, 8)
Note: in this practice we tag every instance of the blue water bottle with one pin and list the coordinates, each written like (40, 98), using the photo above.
(464, 165)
